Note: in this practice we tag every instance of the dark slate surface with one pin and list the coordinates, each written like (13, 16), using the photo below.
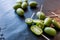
(13, 26)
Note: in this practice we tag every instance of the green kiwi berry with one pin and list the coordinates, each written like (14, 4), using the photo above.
(24, 5)
(20, 12)
(47, 21)
(50, 31)
(56, 24)
(16, 6)
(41, 15)
(33, 4)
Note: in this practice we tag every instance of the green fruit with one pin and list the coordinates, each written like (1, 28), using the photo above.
(33, 4)
(41, 15)
(39, 23)
(47, 21)
(24, 5)
(36, 30)
(56, 24)
(50, 31)
(25, 0)
(16, 6)
(19, 1)
(20, 11)
(29, 21)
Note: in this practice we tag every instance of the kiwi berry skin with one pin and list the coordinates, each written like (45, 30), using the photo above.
(56, 24)
(16, 6)
(50, 31)
(20, 12)
(33, 4)
(41, 15)
(47, 21)
(24, 5)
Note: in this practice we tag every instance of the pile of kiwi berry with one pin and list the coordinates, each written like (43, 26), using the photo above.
(43, 24)
(21, 5)
(40, 25)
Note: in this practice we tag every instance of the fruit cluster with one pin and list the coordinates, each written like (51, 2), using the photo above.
(21, 5)
(42, 24)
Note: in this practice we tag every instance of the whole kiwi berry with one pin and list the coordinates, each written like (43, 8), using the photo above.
(50, 31)
(24, 5)
(20, 12)
(56, 24)
(41, 15)
(33, 4)
(48, 21)
(16, 6)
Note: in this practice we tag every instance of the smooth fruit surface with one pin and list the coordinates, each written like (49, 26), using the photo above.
(16, 6)
(20, 11)
(33, 4)
(24, 5)
(47, 21)
(56, 24)
(41, 15)
(50, 31)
